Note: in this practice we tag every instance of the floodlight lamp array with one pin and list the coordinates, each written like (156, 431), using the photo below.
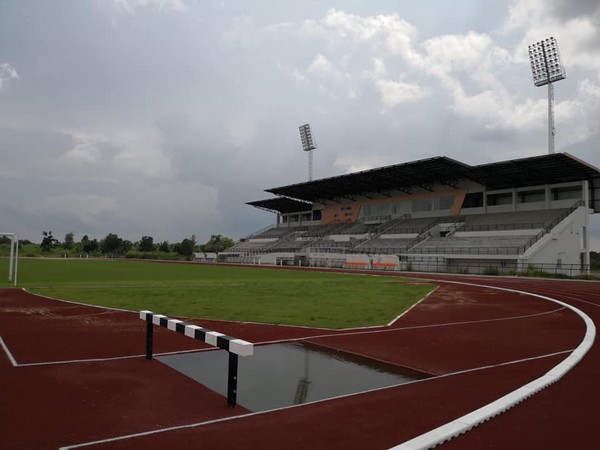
(306, 137)
(546, 66)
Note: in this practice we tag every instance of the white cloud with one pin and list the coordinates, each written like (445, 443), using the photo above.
(354, 168)
(242, 131)
(575, 118)
(142, 153)
(383, 35)
(469, 66)
(523, 13)
(455, 60)
(387, 33)
(7, 74)
(394, 93)
(451, 53)
(578, 36)
(165, 205)
(131, 6)
(114, 153)
(322, 66)
(379, 69)
(88, 208)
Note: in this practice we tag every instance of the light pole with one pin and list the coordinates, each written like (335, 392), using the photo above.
(546, 69)
(308, 145)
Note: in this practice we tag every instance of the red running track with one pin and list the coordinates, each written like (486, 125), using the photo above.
(457, 328)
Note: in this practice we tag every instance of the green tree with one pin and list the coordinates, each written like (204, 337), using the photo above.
(146, 244)
(69, 241)
(48, 242)
(88, 246)
(125, 246)
(91, 246)
(164, 247)
(217, 243)
(186, 247)
(111, 244)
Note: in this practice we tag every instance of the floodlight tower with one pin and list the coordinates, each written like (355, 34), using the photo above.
(308, 145)
(546, 69)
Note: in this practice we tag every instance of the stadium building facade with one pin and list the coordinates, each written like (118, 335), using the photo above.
(435, 214)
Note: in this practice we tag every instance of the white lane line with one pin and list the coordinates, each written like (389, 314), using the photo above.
(243, 416)
(465, 423)
(569, 295)
(414, 327)
(415, 304)
(11, 358)
(71, 302)
(88, 360)
(281, 341)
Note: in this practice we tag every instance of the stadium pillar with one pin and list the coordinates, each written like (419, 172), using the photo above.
(586, 233)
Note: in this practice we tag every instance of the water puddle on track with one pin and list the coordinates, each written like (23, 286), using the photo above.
(280, 375)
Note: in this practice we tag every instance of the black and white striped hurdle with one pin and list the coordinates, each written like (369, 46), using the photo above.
(233, 346)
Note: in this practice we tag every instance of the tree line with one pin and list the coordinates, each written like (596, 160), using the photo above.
(114, 246)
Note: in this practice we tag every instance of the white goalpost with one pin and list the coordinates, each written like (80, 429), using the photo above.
(13, 259)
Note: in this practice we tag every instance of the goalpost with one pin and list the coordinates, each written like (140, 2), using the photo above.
(13, 259)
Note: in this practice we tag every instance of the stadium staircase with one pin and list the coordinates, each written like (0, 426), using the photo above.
(380, 230)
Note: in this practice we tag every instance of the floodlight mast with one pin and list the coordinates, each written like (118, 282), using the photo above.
(308, 145)
(546, 68)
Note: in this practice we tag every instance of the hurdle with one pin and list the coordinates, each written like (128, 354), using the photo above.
(235, 347)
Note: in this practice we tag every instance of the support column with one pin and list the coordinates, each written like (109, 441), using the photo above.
(10, 258)
(232, 380)
(586, 229)
(149, 336)
(550, 118)
(16, 272)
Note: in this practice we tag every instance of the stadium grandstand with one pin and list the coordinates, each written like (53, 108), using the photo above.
(435, 214)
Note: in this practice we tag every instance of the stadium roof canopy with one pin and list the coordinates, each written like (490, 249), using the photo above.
(537, 170)
(382, 180)
(282, 204)
(533, 171)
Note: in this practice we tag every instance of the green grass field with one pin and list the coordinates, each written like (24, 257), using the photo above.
(318, 299)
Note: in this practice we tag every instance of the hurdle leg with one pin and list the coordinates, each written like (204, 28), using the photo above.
(149, 337)
(232, 380)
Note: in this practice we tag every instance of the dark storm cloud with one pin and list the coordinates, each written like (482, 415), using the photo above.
(569, 9)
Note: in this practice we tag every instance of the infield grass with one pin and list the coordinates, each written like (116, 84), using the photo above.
(290, 297)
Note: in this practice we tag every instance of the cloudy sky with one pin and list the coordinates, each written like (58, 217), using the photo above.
(163, 117)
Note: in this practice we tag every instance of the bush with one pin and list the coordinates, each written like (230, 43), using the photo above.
(491, 271)
(134, 254)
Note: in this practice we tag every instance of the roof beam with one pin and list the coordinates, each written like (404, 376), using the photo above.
(452, 183)
(404, 189)
(385, 192)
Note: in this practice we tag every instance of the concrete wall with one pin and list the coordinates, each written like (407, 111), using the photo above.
(563, 243)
